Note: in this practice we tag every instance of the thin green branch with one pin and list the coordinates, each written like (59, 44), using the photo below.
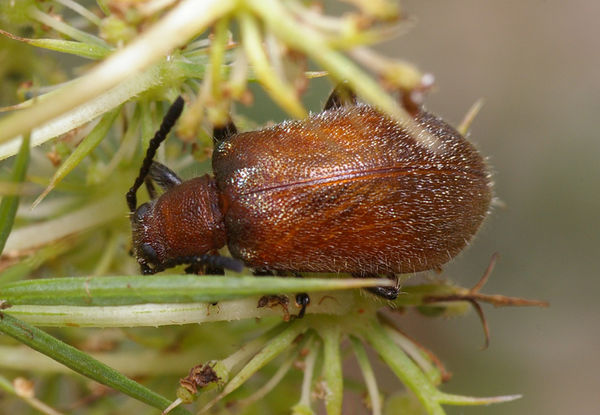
(406, 370)
(217, 55)
(281, 92)
(368, 374)
(74, 116)
(154, 315)
(136, 363)
(80, 362)
(85, 50)
(26, 394)
(186, 20)
(450, 399)
(9, 204)
(303, 407)
(161, 289)
(283, 369)
(93, 214)
(332, 369)
(84, 148)
(416, 354)
(65, 28)
(78, 8)
(272, 349)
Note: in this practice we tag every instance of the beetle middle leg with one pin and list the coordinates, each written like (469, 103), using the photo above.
(224, 132)
(340, 96)
(388, 293)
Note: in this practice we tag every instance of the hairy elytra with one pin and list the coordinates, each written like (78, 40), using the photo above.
(345, 190)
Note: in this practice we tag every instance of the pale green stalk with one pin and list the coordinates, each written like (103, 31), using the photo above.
(10, 203)
(368, 374)
(332, 369)
(270, 351)
(93, 214)
(303, 407)
(130, 363)
(186, 20)
(281, 92)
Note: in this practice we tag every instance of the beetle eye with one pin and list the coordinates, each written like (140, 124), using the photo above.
(148, 252)
(141, 212)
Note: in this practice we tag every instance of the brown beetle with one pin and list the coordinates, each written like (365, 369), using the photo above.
(345, 190)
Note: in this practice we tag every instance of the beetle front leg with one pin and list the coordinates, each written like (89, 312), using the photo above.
(163, 176)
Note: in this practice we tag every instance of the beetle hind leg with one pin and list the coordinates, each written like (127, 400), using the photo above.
(388, 293)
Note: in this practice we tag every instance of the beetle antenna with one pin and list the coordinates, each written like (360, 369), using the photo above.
(166, 125)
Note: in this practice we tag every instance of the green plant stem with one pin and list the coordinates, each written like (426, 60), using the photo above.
(160, 289)
(80, 362)
(368, 374)
(75, 116)
(130, 363)
(332, 369)
(281, 92)
(95, 213)
(81, 10)
(416, 354)
(85, 50)
(275, 379)
(186, 20)
(10, 203)
(408, 372)
(315, 46)
(35, 403)
(303, 407)
(217, 55)
(65, 28)
(154, 315)
(89, 143)
(270, 351)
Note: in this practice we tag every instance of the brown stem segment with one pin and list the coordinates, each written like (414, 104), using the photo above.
(473, 296)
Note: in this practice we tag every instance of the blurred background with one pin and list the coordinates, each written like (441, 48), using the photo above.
(535, 64)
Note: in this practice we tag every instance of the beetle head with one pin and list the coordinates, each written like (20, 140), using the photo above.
(182, 224)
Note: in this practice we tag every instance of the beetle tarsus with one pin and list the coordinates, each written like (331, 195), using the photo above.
(302, 301)
(388, 293)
